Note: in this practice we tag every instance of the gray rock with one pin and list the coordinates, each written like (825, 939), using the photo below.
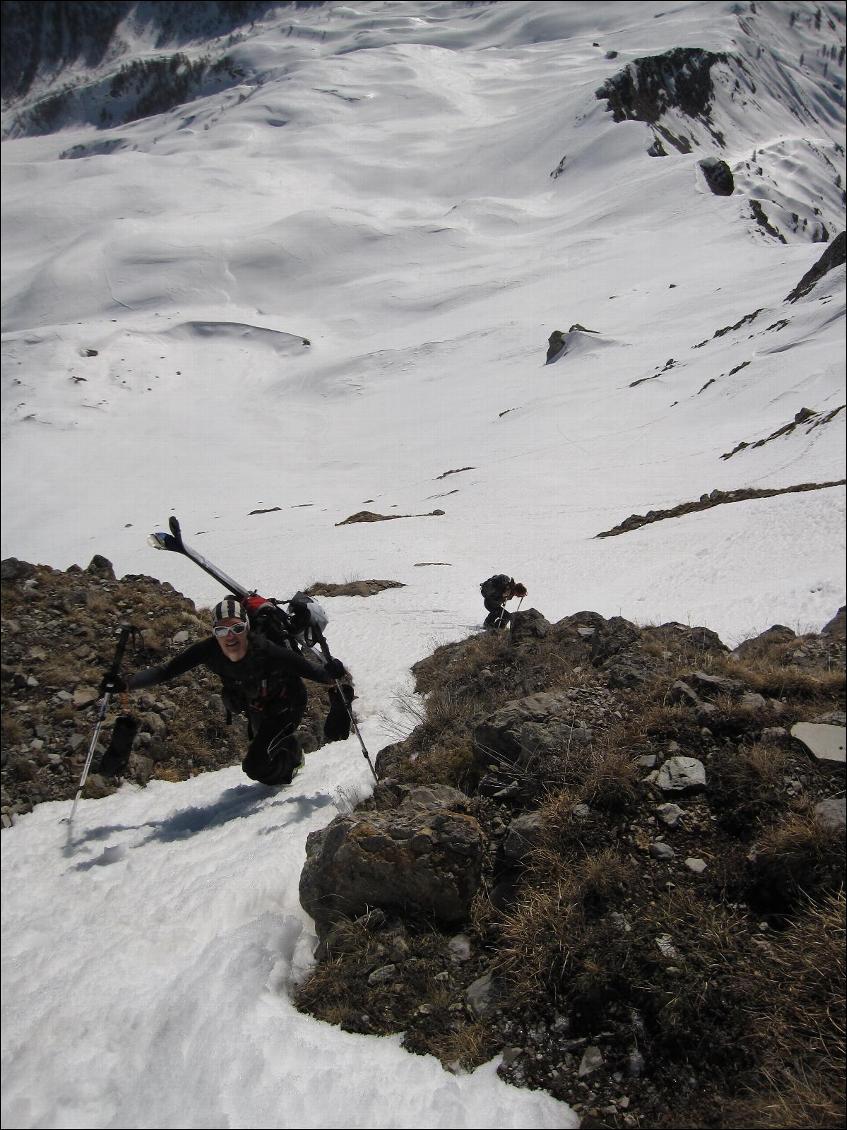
(661, 850)
(528, 625)
(718, 176)
(832, 813)
(827, 743)
(681, 692)
(523, 835)
(555, 345)
(141, 767)
(682, 774)
(383, 974)
(11, 569)
(84, 696)
(713, 685)
(612, 637)
(831, 718)
(776, 634)
(592, 1060)
(530, 728)
(101, 567)
(480, 995)
(833, 257)
(698, 866)
(666, 946)
(837, 626)
(460, 947)
(420, 857)
(627, 672)
(670, 814)
(153, 723)
(753, 701)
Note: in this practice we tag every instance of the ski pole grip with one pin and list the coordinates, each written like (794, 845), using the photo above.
(126, 631)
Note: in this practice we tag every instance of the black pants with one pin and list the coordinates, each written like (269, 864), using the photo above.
(274, 753)
(497, 616)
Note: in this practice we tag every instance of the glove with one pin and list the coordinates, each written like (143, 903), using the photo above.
(518, 589)
(112, 684)
(337, 724)
(335, 668)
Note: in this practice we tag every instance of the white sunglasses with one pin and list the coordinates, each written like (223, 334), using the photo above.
(226, 630)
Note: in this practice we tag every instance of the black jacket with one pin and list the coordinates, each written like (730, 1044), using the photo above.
(267, 676)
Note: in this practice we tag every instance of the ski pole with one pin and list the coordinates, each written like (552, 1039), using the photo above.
(125, 632)
(325, 649)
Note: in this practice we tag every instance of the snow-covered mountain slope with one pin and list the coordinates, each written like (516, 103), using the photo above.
(334, 280)
(312, 267)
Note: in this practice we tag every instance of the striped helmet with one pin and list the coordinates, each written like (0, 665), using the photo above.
(230, 608)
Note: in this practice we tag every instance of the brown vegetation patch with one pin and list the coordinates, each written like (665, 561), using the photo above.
(351, 588)
(370, 516)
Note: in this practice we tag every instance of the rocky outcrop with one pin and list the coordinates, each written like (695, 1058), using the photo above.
(422, 857)
(559, 343)
(707, 501)
(555, 345)
(530, 730)
(628, 788)
(529, 624)
(647, 88)
(834, 256)
(837, 626)
(718, 176)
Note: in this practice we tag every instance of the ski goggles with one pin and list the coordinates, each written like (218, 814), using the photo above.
(224, 630)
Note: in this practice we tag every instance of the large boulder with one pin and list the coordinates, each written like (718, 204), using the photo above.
(422, 857)
(555, 345)
(101, 566)
(529, 625)
(529, 729)
(826, 743)
(613, 637)
(718, 176)
(11, 569)
(682, 775)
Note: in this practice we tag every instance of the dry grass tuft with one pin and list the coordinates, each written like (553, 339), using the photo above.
(798, 1021)
(610, 780)
(795, 859)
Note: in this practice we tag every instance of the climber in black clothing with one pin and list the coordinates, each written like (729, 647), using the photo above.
(495, 592)
(260, 679)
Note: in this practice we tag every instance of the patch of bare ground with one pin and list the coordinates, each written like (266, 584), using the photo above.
(371, 516)
(351, 588)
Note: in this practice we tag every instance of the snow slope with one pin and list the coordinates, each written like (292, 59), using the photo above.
(321, 289)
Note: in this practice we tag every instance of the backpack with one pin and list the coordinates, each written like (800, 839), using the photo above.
(495, 585)
(308, 618)
(298, 630)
